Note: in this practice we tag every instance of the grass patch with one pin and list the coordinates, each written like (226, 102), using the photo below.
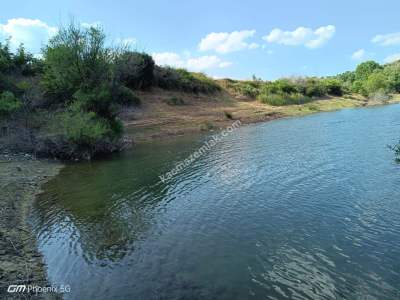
(284, 99)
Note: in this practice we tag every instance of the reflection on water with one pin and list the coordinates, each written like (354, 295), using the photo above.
(305, 208)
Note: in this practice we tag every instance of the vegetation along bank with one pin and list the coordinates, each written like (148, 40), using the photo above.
(83, 98)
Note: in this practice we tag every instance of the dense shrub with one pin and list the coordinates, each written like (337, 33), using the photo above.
(182, 80)
(126, 96)
(279, 86)
(314, 88)
(135, 70)
(377, 81)
(6, 62)
(333, 87)
(8, 104)
(76, 57)
(81, 75)
(392, 73)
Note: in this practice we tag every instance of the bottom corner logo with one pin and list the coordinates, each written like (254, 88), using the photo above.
(13, 288)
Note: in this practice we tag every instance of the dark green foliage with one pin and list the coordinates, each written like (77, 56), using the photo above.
(333, 87)
(6, 62)
(135, 70)
(8, 104)
(182, 80)
(83, 128)
(81, 74)
(125, 96)
(19, 63)
(174, 101)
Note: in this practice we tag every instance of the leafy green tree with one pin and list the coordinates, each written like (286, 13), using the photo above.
(392, 73)
(6, 62)
(377, 81)
(8, 104)
(75, 58)
(365, 69)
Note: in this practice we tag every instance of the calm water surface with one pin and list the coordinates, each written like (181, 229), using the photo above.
(303, 208)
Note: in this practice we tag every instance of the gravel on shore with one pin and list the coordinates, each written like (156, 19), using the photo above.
(21, 177)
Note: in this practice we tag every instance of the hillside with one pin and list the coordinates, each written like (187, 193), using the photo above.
(83, 99)
(156, 119)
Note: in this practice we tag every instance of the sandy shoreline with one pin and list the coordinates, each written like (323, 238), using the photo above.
(155, 120)
(20, 262)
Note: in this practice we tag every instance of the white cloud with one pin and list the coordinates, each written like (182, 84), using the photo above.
(389, 39)
(392, 58)
(359, 54)
(224, 42)
(168, 59)
(301, 36)
(33, 33)
(200, 63)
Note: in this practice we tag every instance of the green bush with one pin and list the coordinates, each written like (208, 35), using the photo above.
(126, 96)
(314, 88)
(283, 99)
(333, 86)
(84, 129)
(182, 80)
(8, 104)
(247, 88)
(279, 86)
(358, 87)
(392, 73)
(135, 70)
(377, 81)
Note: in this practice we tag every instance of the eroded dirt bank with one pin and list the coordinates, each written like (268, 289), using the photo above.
(156, 118)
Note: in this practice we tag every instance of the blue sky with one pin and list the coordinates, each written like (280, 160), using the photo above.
(237, 39)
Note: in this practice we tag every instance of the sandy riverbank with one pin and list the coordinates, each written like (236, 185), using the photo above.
(21, 177)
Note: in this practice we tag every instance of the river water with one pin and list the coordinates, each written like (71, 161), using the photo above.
(301, 208)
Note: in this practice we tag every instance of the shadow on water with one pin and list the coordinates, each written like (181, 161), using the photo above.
(106, 204)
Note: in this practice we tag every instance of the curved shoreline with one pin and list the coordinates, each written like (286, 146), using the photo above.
(155, 120)
(20, 261)
(22, 177)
